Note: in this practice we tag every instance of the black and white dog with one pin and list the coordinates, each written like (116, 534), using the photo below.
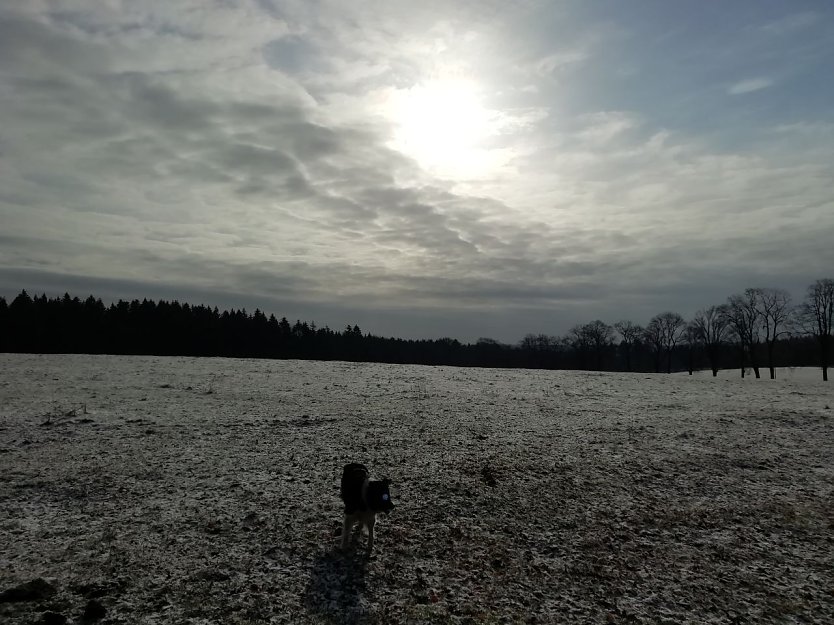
(363, 500)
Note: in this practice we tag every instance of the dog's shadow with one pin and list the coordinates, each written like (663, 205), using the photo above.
(337, 583)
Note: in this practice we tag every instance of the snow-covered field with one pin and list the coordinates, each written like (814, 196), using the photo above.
(206, 491)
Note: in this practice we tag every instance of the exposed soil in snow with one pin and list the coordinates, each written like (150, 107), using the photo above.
(174, 490)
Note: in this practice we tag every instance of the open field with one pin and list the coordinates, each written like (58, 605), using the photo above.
(175, 490)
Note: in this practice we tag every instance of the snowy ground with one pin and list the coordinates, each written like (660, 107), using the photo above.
(206, 491)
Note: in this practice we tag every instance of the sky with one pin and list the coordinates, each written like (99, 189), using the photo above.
(465, 169)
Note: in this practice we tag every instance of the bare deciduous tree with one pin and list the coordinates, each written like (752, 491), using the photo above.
(580, 342)
(663, 333)
(774, 308)
(630, 333)
(594, 336)
(817, 316)
(537, 342)
(743, 317)
(711, 329)
(673, 328)
(690, 339)
(653, 335)
(600, 336)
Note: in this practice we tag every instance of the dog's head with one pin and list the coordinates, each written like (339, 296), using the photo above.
(378, 496)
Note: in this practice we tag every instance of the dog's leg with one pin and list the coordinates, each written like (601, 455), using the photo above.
(370, 523)
(346, 527)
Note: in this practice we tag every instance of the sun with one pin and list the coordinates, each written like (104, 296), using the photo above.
(444, 125)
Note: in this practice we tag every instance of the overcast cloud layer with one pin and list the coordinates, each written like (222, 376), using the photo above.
(423, 169)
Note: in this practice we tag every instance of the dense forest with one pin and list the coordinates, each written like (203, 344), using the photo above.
(757, 329)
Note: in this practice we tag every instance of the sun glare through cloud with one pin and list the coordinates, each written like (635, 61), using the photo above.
(444, 125)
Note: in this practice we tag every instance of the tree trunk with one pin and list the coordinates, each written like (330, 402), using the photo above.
(669, 362)
(754, 361)
(770, 345)
(742, 361)
(712, 354)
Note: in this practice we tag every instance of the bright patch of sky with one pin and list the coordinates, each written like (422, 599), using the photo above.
(423, 169)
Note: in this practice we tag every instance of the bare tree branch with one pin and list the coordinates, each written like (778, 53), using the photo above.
(711, 328)
(817, 318)
(630, 333)
(774, 309)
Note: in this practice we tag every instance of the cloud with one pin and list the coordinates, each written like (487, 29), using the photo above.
(603, 127)
(559, 60)
(790, 24)
(748, 86)
(243, 154)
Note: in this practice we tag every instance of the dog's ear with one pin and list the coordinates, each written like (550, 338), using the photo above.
(386, 481)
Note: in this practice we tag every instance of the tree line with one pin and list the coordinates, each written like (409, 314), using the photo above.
(759, 327)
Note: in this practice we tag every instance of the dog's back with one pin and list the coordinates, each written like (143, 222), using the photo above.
(353, 481)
